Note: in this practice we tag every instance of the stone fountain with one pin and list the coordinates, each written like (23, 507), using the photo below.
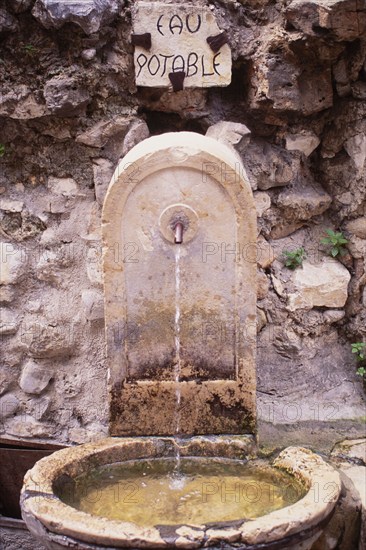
(179, 230)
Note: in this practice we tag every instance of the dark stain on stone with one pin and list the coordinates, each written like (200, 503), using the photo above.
(242, 417)
(162, 371)
(235, 411)
(200, 369)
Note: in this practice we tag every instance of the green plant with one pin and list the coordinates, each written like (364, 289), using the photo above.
(2, 150)
(360, 349)
(294, 258)
(336, 241)
(30, 49)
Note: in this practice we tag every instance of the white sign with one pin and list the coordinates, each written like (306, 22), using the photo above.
(179, 46)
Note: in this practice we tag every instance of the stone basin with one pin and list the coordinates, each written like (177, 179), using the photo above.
(58, 525)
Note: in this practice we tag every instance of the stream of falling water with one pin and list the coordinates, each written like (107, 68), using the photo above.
(177, 353)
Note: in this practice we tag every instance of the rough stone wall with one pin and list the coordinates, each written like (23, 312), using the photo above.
(69, 109)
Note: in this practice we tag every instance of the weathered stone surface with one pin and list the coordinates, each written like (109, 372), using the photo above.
(356, 247)
(262, 202)
(66, 95)
(34, 378)
(13, 537)
(8, 23)
(342, 77)
(265, 253)
(13, 350)
(33, 306)
(185, 102)
(40, 406)
(11, 205)
(287, 342)
(64, 192)
(323, 284)
(6, 294)
(93, 305)
(51, 265)
(228, 132)
(284, 228)
(269, 165)
(119, 62)
(66, 187)
(60, 130)
(12, 263)
(333, 315)
(99, 134)
(286, 86)
(94, 233)
(334, 137)
(137, 131)
(356, 148)
(89, 54)
(91, 433)
(21, 104)
(302, 202)
(341, 19)
(103, 171)
(94, 264)
(26, 426)
(9, 321)
(359, 90)
(179, 44)
(19, 6)
(88, 14)
(46, 340)
(306, 142)
(262, 285)
(327, 398)
(261, 319)
(9, 404)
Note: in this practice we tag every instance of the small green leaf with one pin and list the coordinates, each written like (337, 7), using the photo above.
(294, 258)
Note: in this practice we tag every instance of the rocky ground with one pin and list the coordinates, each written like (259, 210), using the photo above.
(69, 109)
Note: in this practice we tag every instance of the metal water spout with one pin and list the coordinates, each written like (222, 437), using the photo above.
(178, 233)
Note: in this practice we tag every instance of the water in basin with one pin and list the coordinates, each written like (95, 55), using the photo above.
(152, 492)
